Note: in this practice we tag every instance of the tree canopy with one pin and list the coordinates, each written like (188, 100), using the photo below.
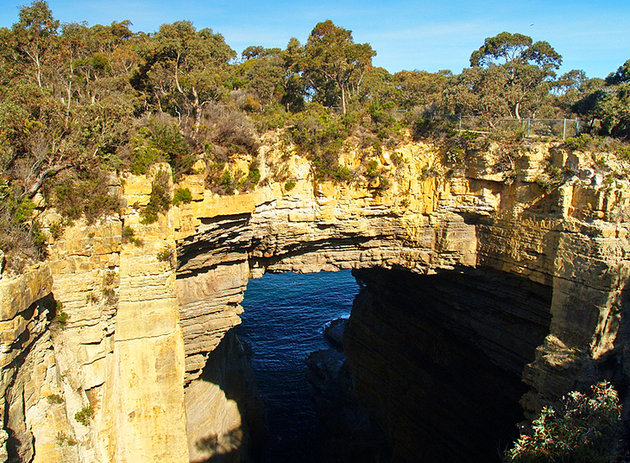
(510, 74)
(333, 64)
(79, 102)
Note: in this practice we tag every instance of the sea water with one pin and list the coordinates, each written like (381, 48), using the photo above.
(283, 323)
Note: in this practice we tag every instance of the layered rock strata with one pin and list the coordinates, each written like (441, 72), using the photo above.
(146, 312)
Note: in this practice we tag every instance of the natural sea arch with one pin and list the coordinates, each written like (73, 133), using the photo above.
(520, 260)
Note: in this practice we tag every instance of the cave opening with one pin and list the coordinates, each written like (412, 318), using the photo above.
(434, 363)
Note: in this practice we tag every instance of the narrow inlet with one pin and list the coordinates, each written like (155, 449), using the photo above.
(283, 323)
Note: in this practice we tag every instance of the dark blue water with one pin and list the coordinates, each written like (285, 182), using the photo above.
(283, 322)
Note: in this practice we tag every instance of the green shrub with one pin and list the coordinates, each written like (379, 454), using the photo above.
(377, 147)
(143, 155)
(63, 439)
(38, 236)
(623, 152)
(84, 415)
(82, 193)
(289, 185)
(219, 179)
(343, 174)
(383, 185)
(251, 104)
(159, 201)
(54, 399)
(56, 230)
(319, 135)
(129, 236)
(21, 237)
(372, 169)
(109, 284)
(165, 255)
(227, 182)
(61, 317)
(160, 140)
(581, 428)
(582, 142)
(397, 159)
(110, 296)
(314, 129)
(182, 195)
(427, 172)
(248, 182)
(552, 178)
(271, 117)
(587, 142)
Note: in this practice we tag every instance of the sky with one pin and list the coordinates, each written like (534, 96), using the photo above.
(426, 35)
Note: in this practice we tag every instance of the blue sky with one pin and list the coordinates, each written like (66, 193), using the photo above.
(428, 35)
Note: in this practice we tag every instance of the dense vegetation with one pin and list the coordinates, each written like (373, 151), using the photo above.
(79, 103)
(581, 428)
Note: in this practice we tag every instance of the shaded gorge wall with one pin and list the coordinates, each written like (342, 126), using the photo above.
(437, 359)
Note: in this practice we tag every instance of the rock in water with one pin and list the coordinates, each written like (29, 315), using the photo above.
(334, 332)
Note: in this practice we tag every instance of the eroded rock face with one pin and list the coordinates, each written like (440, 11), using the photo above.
(25, 316)
(142, 326)
(571, 243)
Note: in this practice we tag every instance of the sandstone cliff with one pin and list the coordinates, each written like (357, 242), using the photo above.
(145, 350)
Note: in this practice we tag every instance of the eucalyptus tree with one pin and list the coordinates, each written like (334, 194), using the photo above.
(511, 73)
(264, 71)
(34, 35)
(606, 101)
(612, 102)
(184, 68)
(333, 64)
(621, 75)
(379, 87)
(421, 88)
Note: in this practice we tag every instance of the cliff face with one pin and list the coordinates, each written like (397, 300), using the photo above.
(437, 359)
(145, 343)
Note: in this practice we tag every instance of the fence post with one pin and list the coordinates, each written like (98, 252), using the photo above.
(529, 123)
(577, 126)
(564, 128)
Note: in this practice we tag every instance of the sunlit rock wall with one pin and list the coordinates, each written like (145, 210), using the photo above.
(146, 313)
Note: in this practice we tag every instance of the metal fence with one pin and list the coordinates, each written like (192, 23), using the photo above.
(529, 127)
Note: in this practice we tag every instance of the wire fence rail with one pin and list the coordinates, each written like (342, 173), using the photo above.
(529, 127)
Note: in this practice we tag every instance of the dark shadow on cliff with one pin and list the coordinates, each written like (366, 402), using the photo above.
(349, 435)
(437, 359)
(226, 450)
(615, 366)
(227, 368)
(20, 440)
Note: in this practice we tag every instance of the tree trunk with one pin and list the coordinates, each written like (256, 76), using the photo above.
(197, 108)
(39, 181)
(179, 88)
(69, 93)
